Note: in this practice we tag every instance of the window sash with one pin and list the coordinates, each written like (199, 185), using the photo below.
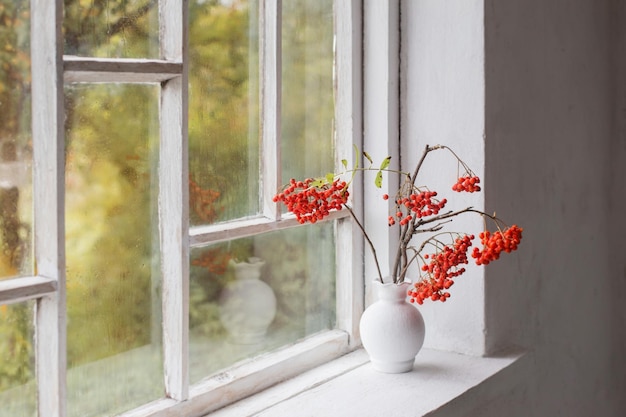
(50, 71)
(48, 198)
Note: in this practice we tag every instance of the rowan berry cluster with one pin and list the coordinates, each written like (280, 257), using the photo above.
(311, 202)
(203, 202)
(214, 260)
(420, 204)
(417, 212)
(467, 183)
(496, 243)
(441, 271)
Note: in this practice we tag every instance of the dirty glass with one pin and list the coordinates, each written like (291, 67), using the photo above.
(111, 28)
(18, 389)
(223, 111)
(15, 140)
(250, 296)
(113, 278)
(307, 118)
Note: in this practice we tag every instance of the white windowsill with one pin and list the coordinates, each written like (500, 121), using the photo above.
(441, 382)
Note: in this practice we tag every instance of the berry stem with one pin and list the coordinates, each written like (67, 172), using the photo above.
(369, 242)
(406, 232)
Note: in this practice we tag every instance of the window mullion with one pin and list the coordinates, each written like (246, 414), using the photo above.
(381, 116)
(26, 288)
(173, 202)
(203, 235)
(49, 215)
(271, 66)
(348, 119)
(118, 70)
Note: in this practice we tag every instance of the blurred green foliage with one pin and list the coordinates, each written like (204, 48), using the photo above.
(16, 344)
(111, 28)
(111, 216)
(223, 107)
(113, 280)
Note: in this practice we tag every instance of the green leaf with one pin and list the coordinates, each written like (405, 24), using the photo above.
(369, 158)
(385, 163)
(318, 182)
(330, 177)
(379, 179)
(356, 156)
(344, 162)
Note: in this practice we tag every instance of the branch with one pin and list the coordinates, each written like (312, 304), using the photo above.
(435, 228)
(367, 238)
(127, 21)
(449, 214)
(406, 232)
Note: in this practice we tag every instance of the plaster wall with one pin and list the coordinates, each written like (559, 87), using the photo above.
(550, 90)
(554, 115)
(442, 102)
(617, 202)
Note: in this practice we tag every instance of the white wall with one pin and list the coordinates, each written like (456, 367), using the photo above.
(554, 116)
(442, 100)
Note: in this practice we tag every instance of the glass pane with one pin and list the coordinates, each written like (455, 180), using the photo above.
(114, 339)
(307, 98)
(252, 295)
(223, 110)
(18, 390)
(15, 140)
(112, 28)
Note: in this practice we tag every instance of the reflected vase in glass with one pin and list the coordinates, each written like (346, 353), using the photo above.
(392, 330)
(247, 305)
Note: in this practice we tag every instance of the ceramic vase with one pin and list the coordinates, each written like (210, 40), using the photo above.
(247, 305)
(392, 329)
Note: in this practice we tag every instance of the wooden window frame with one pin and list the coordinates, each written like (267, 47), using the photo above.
(51, 71)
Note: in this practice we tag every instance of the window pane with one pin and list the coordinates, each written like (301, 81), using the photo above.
(18, 390)
(284, 292)
(113, 305)
(307, 98)
(112, 28)
(15, 140)
(223, 110)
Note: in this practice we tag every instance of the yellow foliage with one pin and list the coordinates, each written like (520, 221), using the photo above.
(6, 269)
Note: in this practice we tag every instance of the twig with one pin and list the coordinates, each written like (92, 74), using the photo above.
(367, 238)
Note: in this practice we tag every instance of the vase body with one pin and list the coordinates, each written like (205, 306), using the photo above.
(392, 330)
(247, 305)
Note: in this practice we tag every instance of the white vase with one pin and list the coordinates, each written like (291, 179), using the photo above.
(392, 330)
(247, 305)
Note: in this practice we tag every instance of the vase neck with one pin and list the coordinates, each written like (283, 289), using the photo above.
(247, 271)
(396, 293)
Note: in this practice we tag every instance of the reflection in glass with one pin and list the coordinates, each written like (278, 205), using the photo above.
(15, 140)
(307, 89)
(113, 343)
(223, 110)
(286, 292)
(111, 29)
(18, 390)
